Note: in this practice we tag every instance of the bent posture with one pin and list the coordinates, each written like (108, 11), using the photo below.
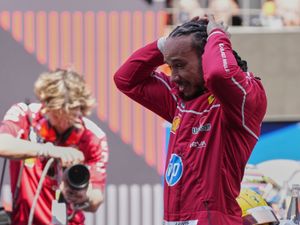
(216, 109)
(54, 128)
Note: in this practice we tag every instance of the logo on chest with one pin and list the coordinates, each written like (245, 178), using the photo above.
(210, 99)
(174, 170)
(175, 124)
(201, 128)
(198, 144)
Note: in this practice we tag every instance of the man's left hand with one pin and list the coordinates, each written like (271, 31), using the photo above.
(76, 197)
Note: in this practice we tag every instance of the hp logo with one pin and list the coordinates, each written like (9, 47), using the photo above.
(174, 170)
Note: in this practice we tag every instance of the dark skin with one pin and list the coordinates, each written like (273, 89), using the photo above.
(184, 61)
(185, 66)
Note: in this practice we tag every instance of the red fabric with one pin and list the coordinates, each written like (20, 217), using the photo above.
(92, 142)
(212, 136)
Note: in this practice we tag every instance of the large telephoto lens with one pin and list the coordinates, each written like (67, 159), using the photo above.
(77, 176)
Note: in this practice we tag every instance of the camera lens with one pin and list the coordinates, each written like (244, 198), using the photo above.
(77, 176)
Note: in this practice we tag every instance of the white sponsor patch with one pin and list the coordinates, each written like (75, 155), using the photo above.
(197, 144)
(188, 222)
(104, 145)
(14, 113)
(202, 128)
(224, 58)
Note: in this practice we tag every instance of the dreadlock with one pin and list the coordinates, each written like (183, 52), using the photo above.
(199, 31)
(240, 62)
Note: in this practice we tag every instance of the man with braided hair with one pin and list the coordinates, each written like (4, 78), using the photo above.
(216, 109)
(54, 128)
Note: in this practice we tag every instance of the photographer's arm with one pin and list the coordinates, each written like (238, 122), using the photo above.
(96, 152)
(15, 148)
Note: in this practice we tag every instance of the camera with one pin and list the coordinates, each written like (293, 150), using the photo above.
(77, 176)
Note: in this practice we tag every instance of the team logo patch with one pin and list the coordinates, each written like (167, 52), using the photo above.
(175, 124)
(210, 99)
(174, 170)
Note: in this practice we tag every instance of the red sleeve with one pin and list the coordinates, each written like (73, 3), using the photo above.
(98, 164)
(16, 124)
(241, 94)
(95, 149)
(137, 79)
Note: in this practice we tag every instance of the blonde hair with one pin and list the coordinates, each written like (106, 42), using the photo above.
(63, 90)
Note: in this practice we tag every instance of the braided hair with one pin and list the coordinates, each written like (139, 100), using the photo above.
(197, 29)
(199, 32)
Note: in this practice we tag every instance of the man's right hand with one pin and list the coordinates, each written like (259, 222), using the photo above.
(213, 24)
(67, 155)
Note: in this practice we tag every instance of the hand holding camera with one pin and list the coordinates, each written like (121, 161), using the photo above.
(67, 155)
(75, 184)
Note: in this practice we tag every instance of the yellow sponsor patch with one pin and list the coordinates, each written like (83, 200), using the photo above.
(175, 124)
(210, 99)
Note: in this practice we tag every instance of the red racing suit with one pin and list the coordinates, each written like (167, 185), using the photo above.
(212, 136)
(21, 121)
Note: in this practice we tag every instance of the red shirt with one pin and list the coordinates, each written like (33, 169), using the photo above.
(212, 136)
(91, 141)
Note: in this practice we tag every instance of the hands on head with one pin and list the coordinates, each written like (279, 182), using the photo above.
(206, 25)
(212, 23)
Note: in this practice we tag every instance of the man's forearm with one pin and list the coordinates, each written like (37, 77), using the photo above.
(138, 67)
(14, 148)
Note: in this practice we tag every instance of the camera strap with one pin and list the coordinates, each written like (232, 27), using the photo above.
(16, 193)
(4, 215)
(18, 181)
(18, 184)
(2, 175)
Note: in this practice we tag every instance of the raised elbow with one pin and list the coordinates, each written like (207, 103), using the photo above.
(118, 81)
(122, 82)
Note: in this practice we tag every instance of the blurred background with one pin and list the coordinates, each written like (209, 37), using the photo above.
(96, 36)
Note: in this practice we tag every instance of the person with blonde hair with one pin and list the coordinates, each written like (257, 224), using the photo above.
(32, 134)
